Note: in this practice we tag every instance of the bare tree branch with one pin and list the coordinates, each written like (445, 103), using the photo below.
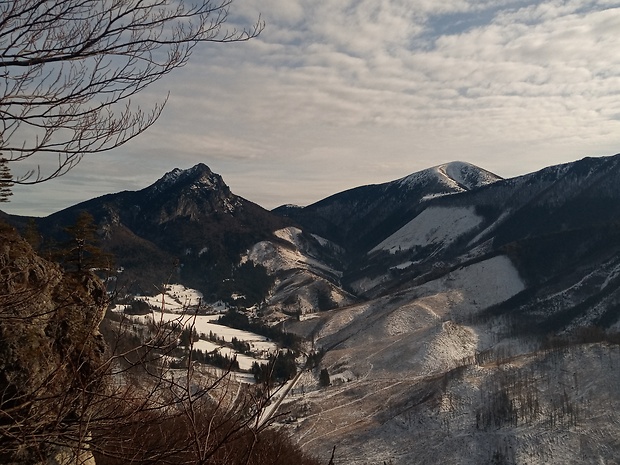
(69, 68)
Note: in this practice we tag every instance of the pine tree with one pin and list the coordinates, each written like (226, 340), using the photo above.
(82, 251)
(6, 180)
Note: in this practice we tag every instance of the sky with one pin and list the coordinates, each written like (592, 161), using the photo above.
(337, 94)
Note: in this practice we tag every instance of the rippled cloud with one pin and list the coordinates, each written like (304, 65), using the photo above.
(338, 94)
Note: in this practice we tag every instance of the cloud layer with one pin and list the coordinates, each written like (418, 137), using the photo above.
(337, 94)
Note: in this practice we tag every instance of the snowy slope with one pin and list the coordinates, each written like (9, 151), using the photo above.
(276, 257)
(304, 282)
(434, 226)
(381, 331)
(539, 408)
(297, 254)
(418, 378)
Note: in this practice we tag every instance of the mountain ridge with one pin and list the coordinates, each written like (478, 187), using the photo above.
(480, 317)
(373, 238)
(359, 216)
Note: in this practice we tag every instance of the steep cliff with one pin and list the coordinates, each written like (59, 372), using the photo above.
(50, 354)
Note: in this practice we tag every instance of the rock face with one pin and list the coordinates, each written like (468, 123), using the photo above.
(50, 351)
(188, 226)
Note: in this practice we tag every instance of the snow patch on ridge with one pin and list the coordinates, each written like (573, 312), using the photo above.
(290, 234)
(276, 257)
(467, 175)
(435, 225)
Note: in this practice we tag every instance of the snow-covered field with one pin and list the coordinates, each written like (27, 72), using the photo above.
(245, 361)
(204, 324)
(178, 298)
(178, 301)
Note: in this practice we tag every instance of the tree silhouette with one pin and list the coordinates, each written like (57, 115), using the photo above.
(82, 252)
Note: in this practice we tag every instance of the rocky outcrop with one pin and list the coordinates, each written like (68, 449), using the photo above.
(51, 353)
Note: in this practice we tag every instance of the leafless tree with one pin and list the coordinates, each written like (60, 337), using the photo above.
(69, 68)
(133, 407)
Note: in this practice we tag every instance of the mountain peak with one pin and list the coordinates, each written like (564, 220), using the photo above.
(456, 176)
(466, 175)
(198, 176)
(191, 193)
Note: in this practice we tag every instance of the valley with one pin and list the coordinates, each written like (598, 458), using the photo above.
(181, 308)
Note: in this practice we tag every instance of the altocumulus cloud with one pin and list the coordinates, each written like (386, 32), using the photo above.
(338, 94)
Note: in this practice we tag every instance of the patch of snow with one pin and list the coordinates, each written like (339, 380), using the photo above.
(423, 177)
(451, 345)
(434, 196)
(321, 240)
(326, 243)
(206, 346)
(491, 227)
(404, 266)
(467, 175)
(456, 176)
(175, 298)
(169, 178)
(290, 234)
(613, 274)
(485, 283)
(365, 284)
(275, 258)
(435, 225)
(440, 172)
(228, 206)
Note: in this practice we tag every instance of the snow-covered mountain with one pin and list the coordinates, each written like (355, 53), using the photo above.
(361, 243)
(456, 176)
(464, 318)
(188, 227)
(360, 218)
(490, 335)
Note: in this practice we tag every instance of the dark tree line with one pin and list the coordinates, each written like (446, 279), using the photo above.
(216, 359)
(238, 320)
(280, 368)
